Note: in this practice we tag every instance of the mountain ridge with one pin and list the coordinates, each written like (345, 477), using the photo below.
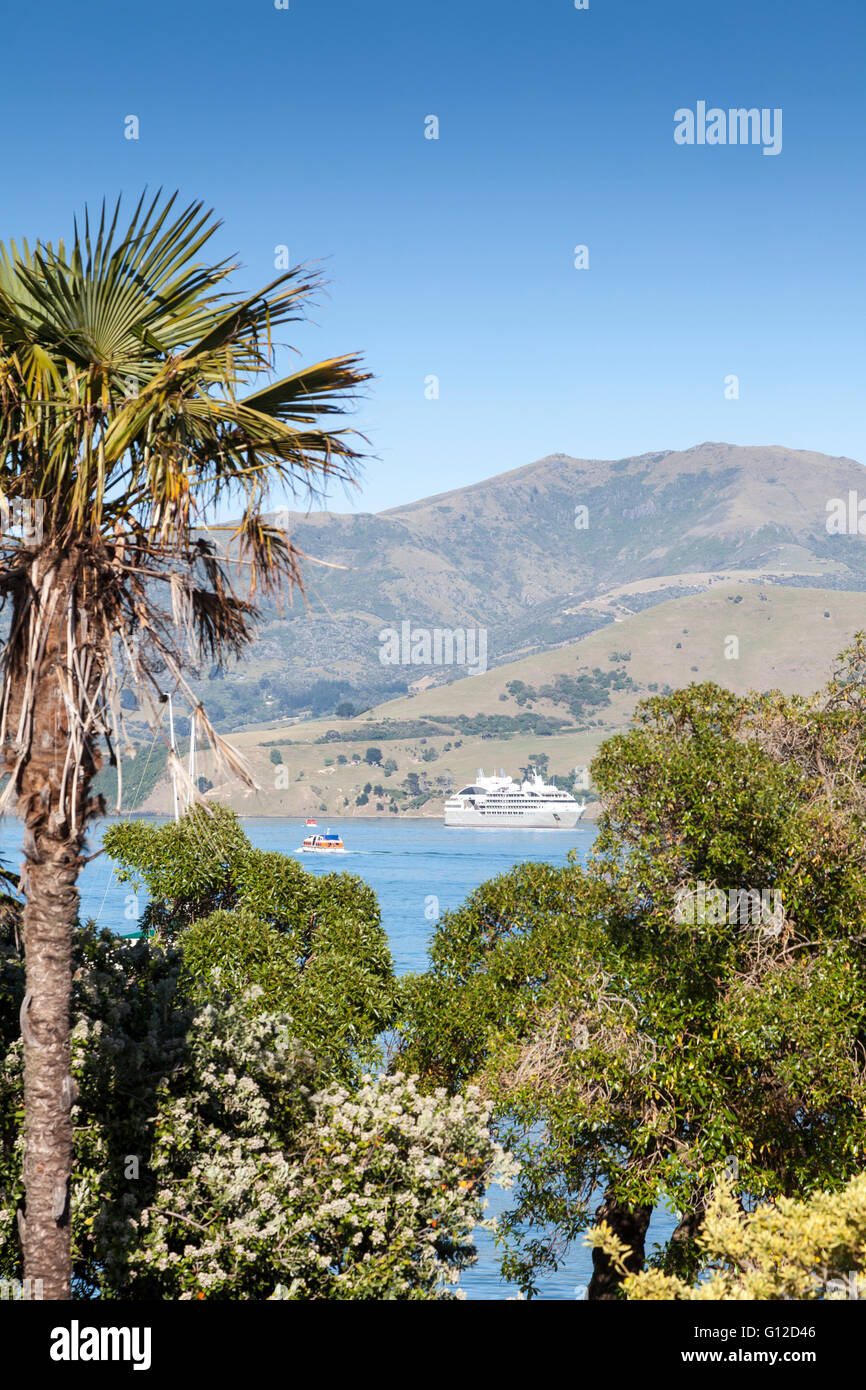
(507, 554)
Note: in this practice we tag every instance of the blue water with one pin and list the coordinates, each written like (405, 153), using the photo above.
(417, 869)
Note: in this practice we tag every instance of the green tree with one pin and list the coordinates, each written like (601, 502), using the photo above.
(373, 756)
(645, 1020)
(126, 418)
(310, 945)
(276, 756)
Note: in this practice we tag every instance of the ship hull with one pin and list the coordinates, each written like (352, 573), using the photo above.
(565, 818)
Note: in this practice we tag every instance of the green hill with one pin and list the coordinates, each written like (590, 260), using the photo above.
(560, 703)
(506, 555)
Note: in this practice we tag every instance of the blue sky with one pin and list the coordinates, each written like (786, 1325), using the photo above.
(455, 257)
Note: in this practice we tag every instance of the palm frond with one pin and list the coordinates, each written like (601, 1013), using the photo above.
(128, 407)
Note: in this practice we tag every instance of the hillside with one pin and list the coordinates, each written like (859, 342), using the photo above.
(561, 703)
(505, 555)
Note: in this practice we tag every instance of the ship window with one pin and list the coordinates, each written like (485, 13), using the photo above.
(472, 791)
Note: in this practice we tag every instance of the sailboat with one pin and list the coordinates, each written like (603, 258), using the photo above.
(174, 787)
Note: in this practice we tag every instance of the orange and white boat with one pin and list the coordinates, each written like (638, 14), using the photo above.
(328, 843)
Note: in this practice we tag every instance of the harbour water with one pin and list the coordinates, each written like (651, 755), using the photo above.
(418, 869)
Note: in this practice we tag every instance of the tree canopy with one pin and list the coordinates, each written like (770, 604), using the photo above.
(311, 946)
(228, 1141)
(693, 1002)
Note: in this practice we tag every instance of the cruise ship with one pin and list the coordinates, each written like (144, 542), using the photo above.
(500, 801)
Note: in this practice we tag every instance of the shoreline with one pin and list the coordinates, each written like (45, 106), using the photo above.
(325, 816)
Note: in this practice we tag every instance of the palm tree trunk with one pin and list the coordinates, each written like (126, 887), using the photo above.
(55, 815)
(50, 911)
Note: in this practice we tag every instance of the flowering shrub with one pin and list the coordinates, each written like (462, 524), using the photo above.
(217, 1157)
(390, 1191)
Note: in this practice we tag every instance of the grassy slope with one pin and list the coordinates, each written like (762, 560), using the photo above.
(785, 641)
(504, 554)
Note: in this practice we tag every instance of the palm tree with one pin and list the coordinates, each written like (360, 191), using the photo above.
(128, 420)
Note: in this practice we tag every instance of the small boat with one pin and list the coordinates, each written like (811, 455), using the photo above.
(328, 843)
(311, 821)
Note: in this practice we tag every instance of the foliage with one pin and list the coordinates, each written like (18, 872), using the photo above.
(396, 1218)
(588, 690)
(216, 1158)
(789, 1249)
(637, 1051)
(312, 946)
(132, 416)
(189, 867)
(505, 725)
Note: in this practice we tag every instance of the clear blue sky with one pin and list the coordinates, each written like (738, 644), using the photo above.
(454, 256)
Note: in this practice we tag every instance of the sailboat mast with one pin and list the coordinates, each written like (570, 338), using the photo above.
(192, 755)
(174, 751)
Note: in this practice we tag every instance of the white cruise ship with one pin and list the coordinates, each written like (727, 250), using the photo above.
(499, 801)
